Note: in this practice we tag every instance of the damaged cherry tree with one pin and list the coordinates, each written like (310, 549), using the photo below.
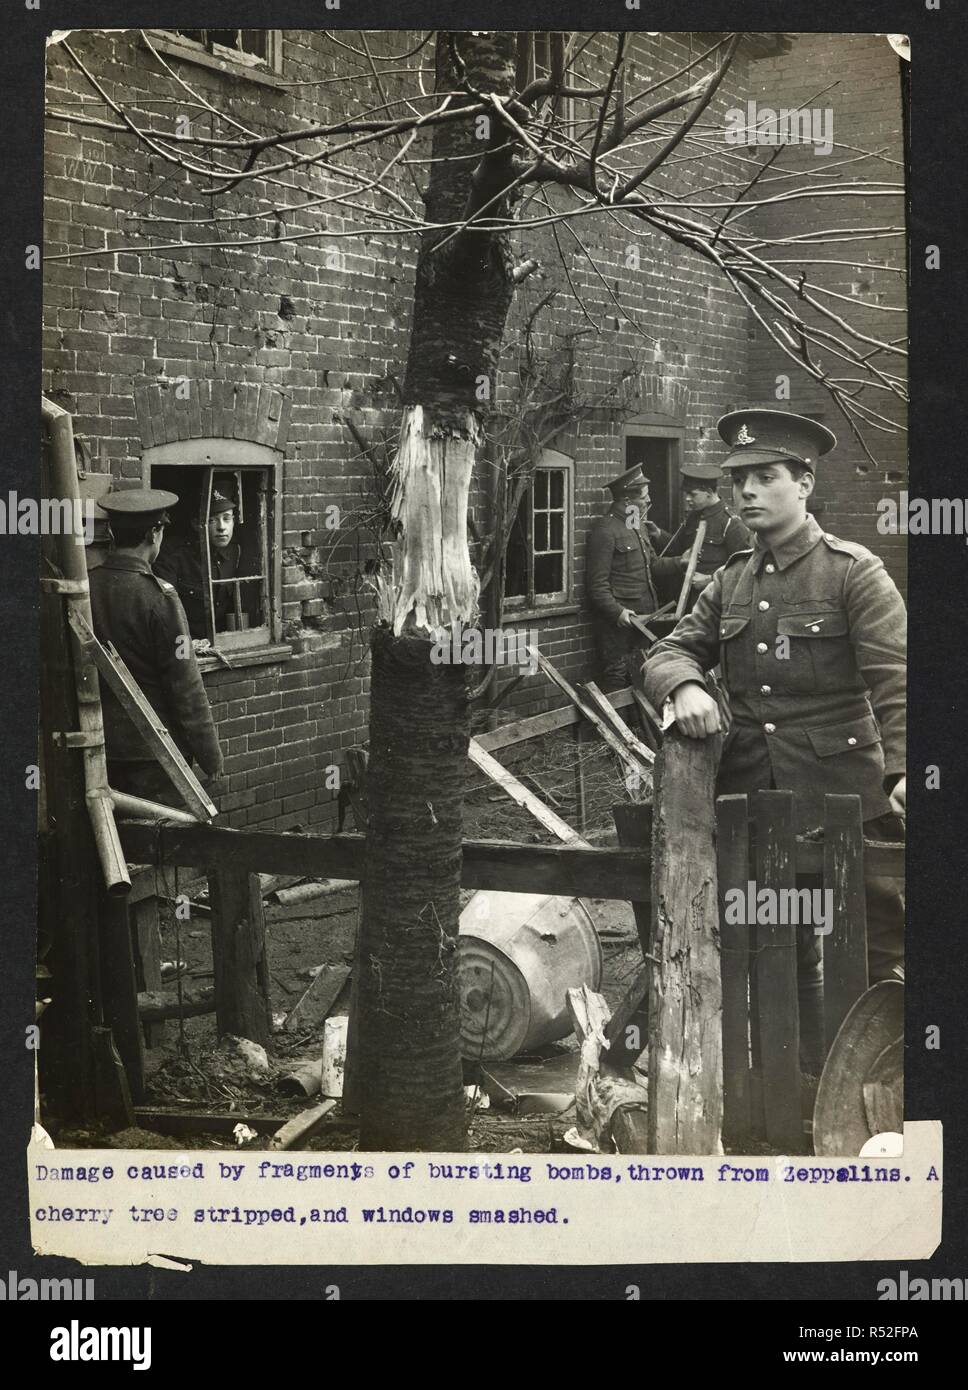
(411, 1093)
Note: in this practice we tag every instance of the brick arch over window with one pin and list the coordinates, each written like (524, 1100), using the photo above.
(191, 409)
(664, 396)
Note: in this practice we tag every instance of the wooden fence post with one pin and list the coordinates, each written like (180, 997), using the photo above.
(845, 946)
(733, 866)
(685, 1001)
(777, 1016)
(239, 954)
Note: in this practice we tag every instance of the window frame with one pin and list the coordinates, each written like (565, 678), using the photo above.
(532, 604)
(220, 455)
(564, 107)
(221, 59)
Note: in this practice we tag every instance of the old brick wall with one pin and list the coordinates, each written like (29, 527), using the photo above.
(324, 318)
(859, 78)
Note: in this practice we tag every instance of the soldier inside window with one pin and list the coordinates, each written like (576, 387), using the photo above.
(180, 562)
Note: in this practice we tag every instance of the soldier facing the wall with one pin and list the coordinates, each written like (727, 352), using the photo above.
(141, 615)
(622, 574)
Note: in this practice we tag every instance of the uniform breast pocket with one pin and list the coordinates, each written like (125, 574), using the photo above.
(627, 557)
(817, 647)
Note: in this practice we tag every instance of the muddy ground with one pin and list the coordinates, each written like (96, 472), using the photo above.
(186, 1071)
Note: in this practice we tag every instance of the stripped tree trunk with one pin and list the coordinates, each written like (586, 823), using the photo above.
(411, 1095)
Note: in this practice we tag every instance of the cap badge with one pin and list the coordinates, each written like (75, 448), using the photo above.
(744, 436)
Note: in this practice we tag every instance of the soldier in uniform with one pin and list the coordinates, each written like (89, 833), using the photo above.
(809, 631)
(622, 572)
(180, 563)
(142, 616)
(725, 533)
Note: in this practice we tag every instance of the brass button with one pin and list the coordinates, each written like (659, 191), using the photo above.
(851, 741)
(762, 648)
(770, 728)
(722, 632)
(815, 627)
(771, 569)
(766, 690)
(762, 605)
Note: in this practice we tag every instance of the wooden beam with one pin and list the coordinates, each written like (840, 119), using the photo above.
(300, 1129)
(138, 709)
(157, 1005)
(697, 545)
(520, 794)
(685, 1001)
(521, 729)
(616, 722)
(617, 745)
(178, 1122)
(569, 870)
(845, 946)
(733, 867)
(777, 1010)
(239, 954)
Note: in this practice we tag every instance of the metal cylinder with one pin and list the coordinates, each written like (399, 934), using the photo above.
(518, 955)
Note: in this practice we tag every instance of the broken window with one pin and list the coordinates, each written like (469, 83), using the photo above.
(538, 561)
(250, 47)
(219, 550)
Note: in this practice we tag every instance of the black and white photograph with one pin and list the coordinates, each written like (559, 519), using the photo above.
(472, 587)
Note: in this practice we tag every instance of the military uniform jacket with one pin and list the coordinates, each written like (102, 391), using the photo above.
(622, 568)
(811, 641)
(142, 616)
(181, 565)
(725, 534)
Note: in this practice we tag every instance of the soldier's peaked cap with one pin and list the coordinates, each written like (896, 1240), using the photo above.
(144, 506)
(222, 500)
(630, 481)
(773, 436)
(700, 472)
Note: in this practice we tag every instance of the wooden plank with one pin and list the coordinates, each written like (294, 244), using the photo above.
(118, 989)
(571, 870)
(777, 1016)
(162, 1120)
(697, 545)
(580, 789)
(111, 667)
(588, 710)
(733, 869)
(627, 1031)
(144, 914)
(537, 724)
(315, 1003)
(155, 1005)
(616, 722)
(845, 947)
(520, 794)
(238, 954)
(301, 1128)
(685, 998)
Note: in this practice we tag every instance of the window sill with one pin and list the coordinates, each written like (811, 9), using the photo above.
(254, 656)
(201, 59)
(557, 610)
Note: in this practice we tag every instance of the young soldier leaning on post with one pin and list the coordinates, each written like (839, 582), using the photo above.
(809, 632)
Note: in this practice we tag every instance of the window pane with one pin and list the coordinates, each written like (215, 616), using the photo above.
(198, 35)
(548, 574)
(516, 562)
(557, 477)
(541, 487)
(255, 41)
(557, 538)
(540, 531)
